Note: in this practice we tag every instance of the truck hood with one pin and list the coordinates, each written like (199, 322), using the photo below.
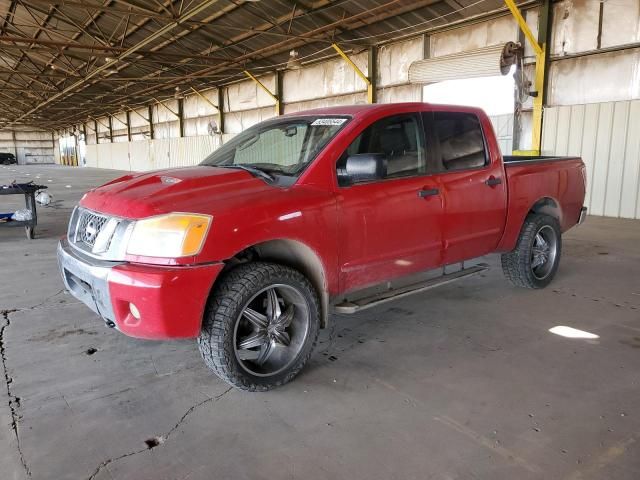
(194, 189)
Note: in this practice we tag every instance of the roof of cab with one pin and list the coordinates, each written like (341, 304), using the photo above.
(364, 109)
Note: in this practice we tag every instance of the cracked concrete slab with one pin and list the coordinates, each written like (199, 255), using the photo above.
(11, 459)
(461, 382)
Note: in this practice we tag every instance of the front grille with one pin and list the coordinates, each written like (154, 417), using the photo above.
(89, 226)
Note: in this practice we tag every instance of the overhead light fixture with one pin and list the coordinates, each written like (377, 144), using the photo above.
(178, 94)
(294, 62)
(108, 59)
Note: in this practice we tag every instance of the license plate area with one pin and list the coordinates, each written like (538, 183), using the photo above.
(76, 283)
(82, 290)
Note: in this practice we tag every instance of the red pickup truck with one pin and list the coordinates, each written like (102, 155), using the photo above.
(307, 214)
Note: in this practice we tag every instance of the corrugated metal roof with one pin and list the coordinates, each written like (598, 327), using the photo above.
(47, 48)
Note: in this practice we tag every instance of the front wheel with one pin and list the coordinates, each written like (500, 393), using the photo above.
(260, 326)
(534, 261)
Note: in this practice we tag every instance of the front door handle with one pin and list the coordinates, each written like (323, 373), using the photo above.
(493, 181)
(428, 193)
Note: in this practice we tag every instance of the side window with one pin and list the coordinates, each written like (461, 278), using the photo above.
(399, 139)
(461, 141)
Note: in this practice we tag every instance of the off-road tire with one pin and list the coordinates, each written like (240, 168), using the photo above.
(229, 296)
(516, 265)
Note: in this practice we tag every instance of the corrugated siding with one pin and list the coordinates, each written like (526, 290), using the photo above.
(503, 127)
(146, 155)
(606, 136)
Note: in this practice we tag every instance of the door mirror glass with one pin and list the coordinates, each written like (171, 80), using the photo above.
(363, 167)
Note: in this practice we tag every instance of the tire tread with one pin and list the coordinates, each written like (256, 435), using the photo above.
(229, 294)
(516, 264)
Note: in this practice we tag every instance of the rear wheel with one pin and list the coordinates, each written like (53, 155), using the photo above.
(534, 261)
(260, 326)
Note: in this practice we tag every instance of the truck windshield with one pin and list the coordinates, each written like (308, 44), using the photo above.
(280, 148)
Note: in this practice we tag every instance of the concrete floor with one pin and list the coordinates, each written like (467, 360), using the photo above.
(463, 382)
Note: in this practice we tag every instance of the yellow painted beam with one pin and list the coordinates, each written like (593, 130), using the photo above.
(515, 11)
(206, 99)
(165, 106)
(525, 153)
(98, 121)
(141, 116)
(367, 80)
(269, 92)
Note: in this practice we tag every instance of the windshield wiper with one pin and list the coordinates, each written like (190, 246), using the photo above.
(271, 168)
(256, 172)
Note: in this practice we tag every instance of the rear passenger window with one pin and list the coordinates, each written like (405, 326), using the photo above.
(399, 139)
(461, 140)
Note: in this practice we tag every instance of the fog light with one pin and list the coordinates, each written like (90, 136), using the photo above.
(134, 311)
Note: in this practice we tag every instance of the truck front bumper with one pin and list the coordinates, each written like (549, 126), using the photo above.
(143, 301)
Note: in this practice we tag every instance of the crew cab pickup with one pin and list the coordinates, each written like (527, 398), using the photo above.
(307, 214)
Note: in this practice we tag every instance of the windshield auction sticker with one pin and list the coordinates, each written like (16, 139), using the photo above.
(328, 121)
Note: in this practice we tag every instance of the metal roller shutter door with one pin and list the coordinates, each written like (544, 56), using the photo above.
(484, 62)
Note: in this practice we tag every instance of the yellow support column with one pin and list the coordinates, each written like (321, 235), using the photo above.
(538, 84)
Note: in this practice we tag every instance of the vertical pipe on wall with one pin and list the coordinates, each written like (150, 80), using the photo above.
(426, 46)
(221, 109)
(128, 114)
(84, 132)
(426, 53)
(15, 144)
(76, 146)
(181, 117)
(600, 16)
(110, 128)
(151, 132)
(517, 106)
(372, 69)
(544, 38)
(279, 92)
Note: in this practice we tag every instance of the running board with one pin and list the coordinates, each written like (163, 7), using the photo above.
(348, 307)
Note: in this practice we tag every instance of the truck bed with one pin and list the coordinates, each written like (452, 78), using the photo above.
(556, 182)
(528, 159)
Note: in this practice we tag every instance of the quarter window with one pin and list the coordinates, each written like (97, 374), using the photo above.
(461, 141)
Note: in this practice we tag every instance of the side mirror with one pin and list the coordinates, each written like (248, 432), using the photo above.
(363, 167)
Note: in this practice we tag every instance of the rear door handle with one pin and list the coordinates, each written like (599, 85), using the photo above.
(428, 193)
(493, 181)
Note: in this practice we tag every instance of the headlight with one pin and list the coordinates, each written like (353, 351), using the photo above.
(171, 236)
